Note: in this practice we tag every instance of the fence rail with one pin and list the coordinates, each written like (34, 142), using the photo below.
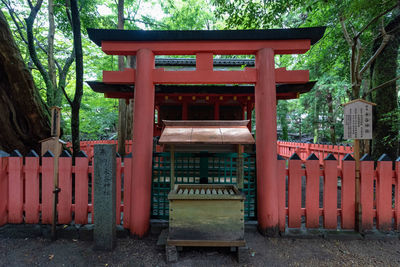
(303, 150)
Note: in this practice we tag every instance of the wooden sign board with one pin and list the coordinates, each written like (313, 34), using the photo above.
(358, 119)
(55, 121)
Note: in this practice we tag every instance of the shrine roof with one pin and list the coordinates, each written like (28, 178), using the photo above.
(206, 132)
(312, 33)
(101, 87)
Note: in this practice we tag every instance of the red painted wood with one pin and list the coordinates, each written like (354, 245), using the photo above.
(81, 190)
(384, 196)
(265, 107)
(247, 76)
(330, 194)
(294, 194)
(118, 188)
(281, 177)
(143, 144)
(3, 190)
(126, 76)
(32, 190)
(312, 194)
(216, 47)
(204, 75)
(47, 189)
(127, 190)
(348, 194)
(367, 194)
(397, 197)
(65, 195)
(15, 190)
(216, 111)
(204, 61)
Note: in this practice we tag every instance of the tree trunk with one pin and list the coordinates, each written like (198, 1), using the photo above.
(56, 98)
(331, 118)
(385, 122)
(283, 106)
(76, 103)
(24, 116)
(316, 120)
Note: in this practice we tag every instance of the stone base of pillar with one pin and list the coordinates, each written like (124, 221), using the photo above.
(269, 231)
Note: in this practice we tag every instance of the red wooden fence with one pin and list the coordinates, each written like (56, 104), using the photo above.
(26, 190)
(307, 190)
(88, 146)
(286, 150)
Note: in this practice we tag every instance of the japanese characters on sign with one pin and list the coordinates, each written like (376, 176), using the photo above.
(358, 120)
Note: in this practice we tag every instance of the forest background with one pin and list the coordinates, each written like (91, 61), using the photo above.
(356, 58)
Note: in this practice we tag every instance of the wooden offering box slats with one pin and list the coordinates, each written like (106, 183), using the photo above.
(206, 215)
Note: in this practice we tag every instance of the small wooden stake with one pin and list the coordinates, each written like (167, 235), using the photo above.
(55, 132)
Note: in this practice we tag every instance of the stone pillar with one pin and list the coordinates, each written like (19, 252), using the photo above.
(104, 196)
(267, 185)
(139, 221)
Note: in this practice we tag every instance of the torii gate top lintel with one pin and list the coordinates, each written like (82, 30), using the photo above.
(283, 41)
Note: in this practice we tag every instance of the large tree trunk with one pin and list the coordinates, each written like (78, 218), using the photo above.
(76, 103)
(125, 109)
(331, 118)
(386, 128)
(24, 117)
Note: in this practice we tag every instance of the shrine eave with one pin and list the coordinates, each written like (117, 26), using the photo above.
(311, 33)
(283, 91)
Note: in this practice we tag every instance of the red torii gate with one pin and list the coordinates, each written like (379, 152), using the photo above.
(264, 44)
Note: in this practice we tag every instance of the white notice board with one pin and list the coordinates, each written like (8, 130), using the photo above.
(358, 120)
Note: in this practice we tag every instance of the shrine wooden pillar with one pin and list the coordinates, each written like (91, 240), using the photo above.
(216, 110)
(139, 220)
(266, 158)
(249, 108)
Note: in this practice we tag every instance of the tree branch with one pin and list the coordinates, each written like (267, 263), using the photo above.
(375, 19)
(381, 86)
(63, 75)
(346, 33)
(386, 39)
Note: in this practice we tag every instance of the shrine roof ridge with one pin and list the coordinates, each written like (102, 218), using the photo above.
(310, 33)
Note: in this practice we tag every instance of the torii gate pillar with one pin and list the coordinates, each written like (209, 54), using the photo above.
(265, 108)
(139, 220)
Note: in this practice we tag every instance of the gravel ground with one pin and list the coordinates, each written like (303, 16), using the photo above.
(144, 252)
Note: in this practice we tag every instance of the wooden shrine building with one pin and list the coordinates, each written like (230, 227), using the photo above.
(200, 90)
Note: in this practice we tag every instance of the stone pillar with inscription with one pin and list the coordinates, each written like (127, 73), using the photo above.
(104, 197)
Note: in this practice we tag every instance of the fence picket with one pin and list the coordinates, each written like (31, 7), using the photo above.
(47, 187)
(348, 192)
(294, 192)
(397, 196)
(384, 193)
(32, 187)
(367, 192)
(15, 188)
(65, 184)
(330, 192)
(3, 187)
(312, 192)
(281, 176)
(118, 187)
(81, 188)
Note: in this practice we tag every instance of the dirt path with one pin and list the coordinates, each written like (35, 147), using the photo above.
(264, 251)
